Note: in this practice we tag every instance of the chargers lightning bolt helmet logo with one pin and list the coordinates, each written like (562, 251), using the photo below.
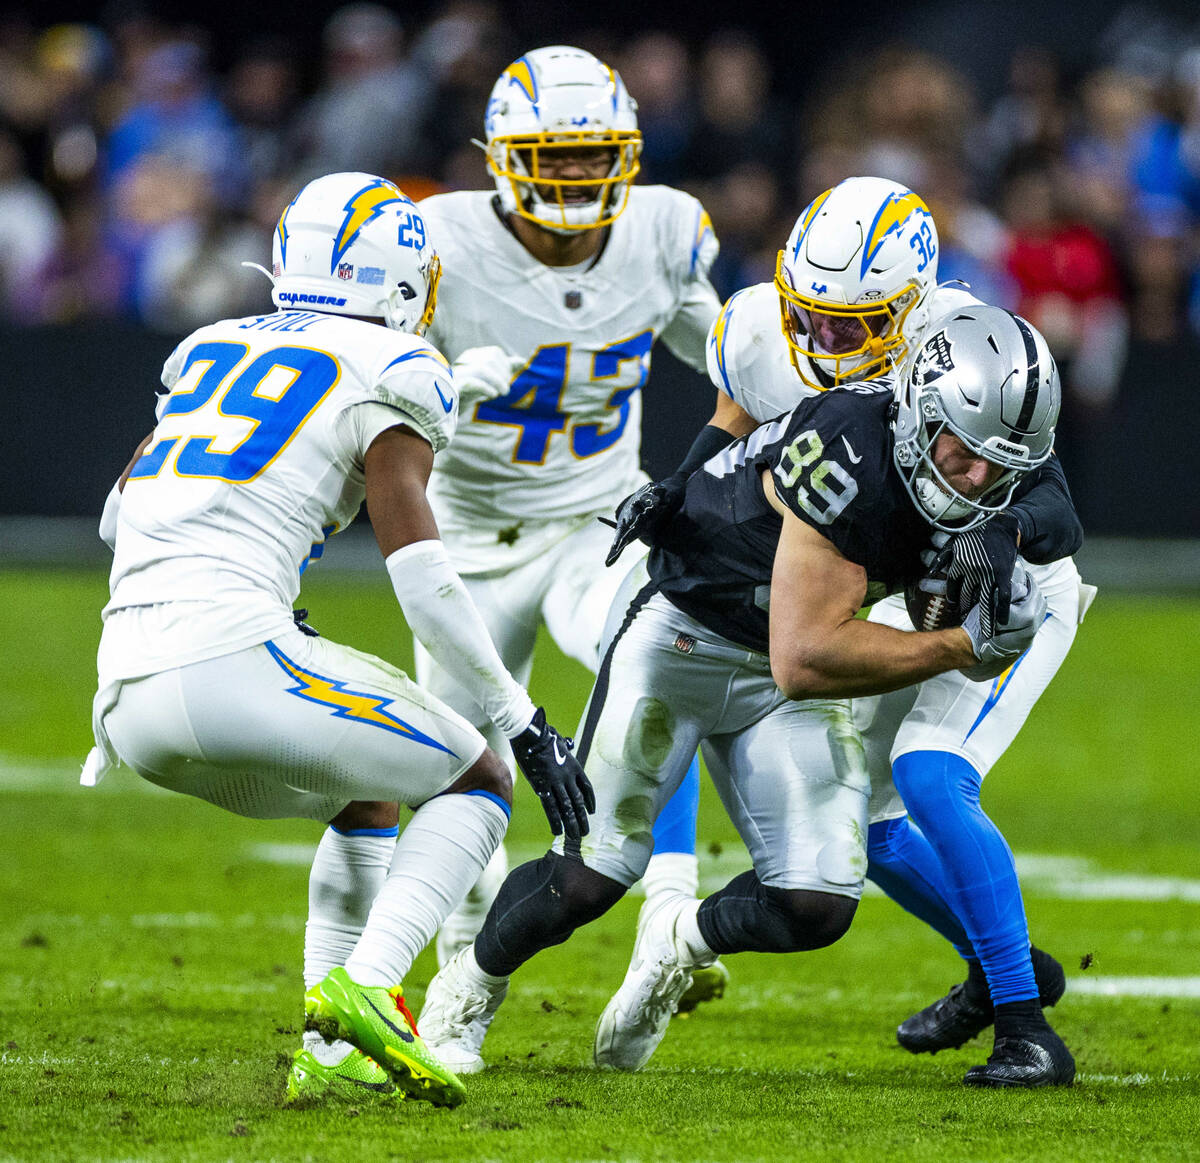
(855, 280)
(520, 74)
(350, 224)
(365, 206)
(557, 102)
(892, 217)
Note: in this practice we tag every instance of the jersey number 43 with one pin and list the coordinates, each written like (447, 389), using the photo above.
(533, 404)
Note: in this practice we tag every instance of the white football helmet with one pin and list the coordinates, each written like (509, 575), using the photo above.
(987, 376)
(355, 244)
(561, 99)
(854, 281)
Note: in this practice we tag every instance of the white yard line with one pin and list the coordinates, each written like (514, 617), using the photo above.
(54, 921)
(1134, 986)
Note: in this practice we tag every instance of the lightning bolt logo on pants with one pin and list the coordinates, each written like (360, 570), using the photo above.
(358, 706)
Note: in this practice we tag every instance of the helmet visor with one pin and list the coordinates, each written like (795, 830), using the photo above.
(568, 181)
(844, 341)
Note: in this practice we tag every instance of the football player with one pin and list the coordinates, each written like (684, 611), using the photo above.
(855, 291)
(270, 434)
(744, 641)
(558, 284)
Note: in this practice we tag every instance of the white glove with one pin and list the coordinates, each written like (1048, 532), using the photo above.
(1012, 637)
(484, 373)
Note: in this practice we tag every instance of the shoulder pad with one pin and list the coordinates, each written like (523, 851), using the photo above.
(834, 455)
(419, 383)
(748, 358)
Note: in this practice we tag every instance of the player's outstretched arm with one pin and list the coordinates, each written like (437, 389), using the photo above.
(440, 612)
(819, 649)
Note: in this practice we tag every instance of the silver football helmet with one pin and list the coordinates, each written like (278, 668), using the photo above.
(986, 376)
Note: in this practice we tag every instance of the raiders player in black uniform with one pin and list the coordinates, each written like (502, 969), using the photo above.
(745, 642)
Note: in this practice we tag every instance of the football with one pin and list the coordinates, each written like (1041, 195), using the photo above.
(929, 611)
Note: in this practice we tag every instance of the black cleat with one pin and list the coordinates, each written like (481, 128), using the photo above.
(1038, 1058)
(967, 1010)
(945, 1025)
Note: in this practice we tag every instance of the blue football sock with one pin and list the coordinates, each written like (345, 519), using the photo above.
(901, 862)
(675, 828)
(978, 875)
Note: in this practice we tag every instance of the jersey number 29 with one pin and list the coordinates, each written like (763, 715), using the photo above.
(277, 392)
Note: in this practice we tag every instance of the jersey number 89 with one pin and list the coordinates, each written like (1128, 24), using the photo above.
(828, 489)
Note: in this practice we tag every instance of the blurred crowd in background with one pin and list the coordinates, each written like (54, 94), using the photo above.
(136, 176)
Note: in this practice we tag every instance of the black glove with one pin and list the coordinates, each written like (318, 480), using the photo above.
(979, 568)
(641, 513)
(545, 759)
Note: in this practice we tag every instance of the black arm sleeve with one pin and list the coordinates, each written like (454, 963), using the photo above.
(1050, 529)
(710, 441)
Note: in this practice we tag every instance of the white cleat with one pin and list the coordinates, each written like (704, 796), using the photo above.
(635, 1021)
(462, 926)
(459, 1007)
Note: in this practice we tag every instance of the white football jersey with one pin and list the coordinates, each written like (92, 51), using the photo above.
(256, 459)
(565, 440)
(749, 359)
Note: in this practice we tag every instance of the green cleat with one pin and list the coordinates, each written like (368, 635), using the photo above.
(356, 1078)
(708, 984)
(376, 1020)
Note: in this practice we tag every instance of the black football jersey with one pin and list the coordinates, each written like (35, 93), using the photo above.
(831, 462)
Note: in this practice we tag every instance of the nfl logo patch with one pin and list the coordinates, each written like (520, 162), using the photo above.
(573, 300)
(685, 644)
(345, 270)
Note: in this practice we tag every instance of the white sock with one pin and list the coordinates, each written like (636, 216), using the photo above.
(347, 873)
(475, 974)
(672, 872)
(438, 857)
(689, 944)
(462, 925)
(327, 1053)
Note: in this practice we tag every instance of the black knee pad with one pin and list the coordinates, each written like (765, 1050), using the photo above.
(541, 904)
(813, 919)
(748, 916)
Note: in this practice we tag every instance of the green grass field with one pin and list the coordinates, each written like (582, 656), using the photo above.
(150, 950)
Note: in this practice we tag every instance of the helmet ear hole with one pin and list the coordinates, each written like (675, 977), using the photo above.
(406, 291)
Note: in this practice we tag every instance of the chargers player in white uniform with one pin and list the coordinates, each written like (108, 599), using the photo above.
(855, 291)
(272, 432)
(557, 286)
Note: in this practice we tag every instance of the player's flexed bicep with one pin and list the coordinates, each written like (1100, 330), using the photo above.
(826, 484)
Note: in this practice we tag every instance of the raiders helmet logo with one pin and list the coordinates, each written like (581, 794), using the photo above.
(934, 360)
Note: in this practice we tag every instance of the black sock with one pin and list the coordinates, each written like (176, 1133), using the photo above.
(977, 986)
(541, 904)
(1019, 1018)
